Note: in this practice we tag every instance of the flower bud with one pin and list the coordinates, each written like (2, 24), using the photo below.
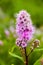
(36, 43)
(31, 48)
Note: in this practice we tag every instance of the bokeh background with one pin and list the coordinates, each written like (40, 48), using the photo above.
(8, 10)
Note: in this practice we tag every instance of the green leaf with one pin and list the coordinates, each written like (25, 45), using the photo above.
(16, 56)
(38, 61)
(35, 55)
(2, 62)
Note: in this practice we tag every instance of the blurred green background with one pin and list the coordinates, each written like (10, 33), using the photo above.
(34, 7)
(8, 9)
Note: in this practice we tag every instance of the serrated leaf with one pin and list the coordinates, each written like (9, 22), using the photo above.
(35, 55)
(16, 56)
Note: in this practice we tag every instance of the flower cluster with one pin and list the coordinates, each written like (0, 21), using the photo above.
(24, 28)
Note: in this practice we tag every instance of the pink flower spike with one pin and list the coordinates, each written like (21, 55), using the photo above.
(24, 27)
